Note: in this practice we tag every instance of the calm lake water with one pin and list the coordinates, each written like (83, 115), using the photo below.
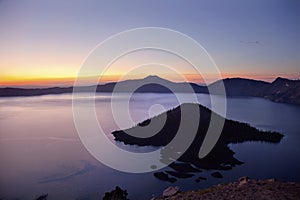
(41, 152)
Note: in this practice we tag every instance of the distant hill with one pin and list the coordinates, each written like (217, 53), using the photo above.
(12, 92)
(284, 91)
(242, 87)
(281, 90)
(155, 84)
(150, 84)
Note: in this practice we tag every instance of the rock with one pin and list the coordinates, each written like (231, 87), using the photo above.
(153, 197)
(271, 180)
(180, 175)
(170, 191)
(116, 194)
(217, 175)
(243, 180)
(200, 178)
(42, 197)
(184, 167)
(232, 191)
(164, 177)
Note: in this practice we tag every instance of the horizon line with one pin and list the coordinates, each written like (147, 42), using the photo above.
(69, 81)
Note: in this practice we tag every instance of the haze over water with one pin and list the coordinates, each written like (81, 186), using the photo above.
(41, 151)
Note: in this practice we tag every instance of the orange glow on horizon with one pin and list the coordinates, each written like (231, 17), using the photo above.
(10, 81)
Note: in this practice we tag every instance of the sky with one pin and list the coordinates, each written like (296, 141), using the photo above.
(45, 42)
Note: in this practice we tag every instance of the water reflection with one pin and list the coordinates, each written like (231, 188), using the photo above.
(37, 136)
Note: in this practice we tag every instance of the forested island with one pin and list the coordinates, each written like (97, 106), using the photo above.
(220, 158)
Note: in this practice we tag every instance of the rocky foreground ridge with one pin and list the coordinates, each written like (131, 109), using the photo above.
(244, 188)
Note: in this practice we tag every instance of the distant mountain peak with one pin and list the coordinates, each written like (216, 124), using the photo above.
(153, 77)
(280, 79)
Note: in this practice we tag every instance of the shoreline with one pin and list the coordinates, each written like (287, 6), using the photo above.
(244, 188)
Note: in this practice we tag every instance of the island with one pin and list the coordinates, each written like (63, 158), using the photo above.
(220, 158)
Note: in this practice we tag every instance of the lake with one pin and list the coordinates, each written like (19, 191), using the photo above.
(41, 152)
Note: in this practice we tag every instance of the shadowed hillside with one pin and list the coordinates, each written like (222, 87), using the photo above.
(284, 91)
(280, 90)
